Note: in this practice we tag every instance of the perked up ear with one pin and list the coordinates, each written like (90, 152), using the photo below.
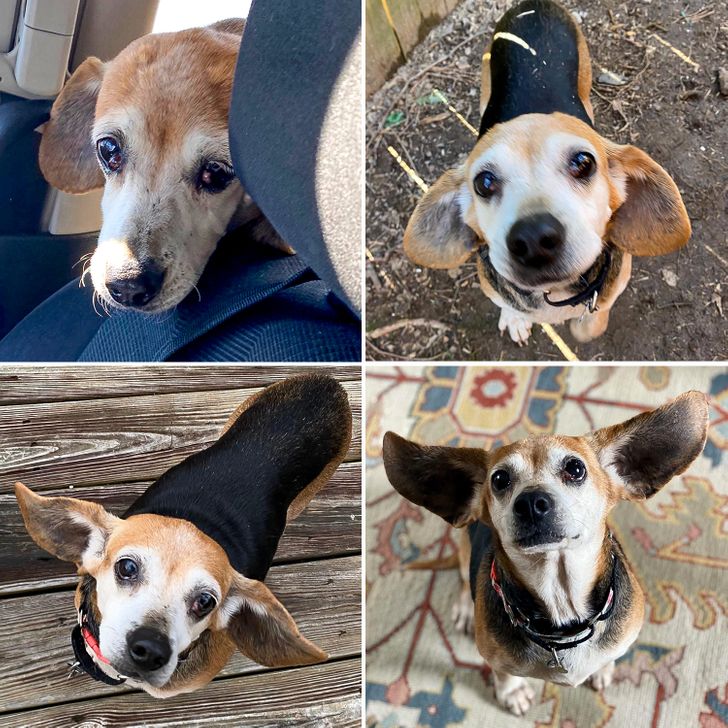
(68, 528)
(437, 235)
(262, 629)
(445, 480)
(67, 155)
(643, 454)
(652, 220)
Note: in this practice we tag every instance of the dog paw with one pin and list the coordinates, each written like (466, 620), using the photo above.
(463, 613)
(514, 694)
(602, 679)
(519, 328)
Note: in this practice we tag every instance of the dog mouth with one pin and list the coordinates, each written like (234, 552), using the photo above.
(546, 278)
(537, 542)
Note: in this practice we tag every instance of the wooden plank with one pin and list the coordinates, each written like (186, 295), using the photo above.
(26, 385)
(383, 54)
(330, 526)
(324, 598)
(139, 438)
(316, 696)
(388, 47)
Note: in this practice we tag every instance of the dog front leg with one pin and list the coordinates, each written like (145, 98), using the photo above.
(519, 327)
(512, 693)
(591, 326)
(602, 679)
(463, 609)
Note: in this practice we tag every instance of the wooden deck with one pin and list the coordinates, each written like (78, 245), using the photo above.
(105, 433)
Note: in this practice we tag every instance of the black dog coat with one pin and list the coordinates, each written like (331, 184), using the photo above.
(538, 79)
(238, 490)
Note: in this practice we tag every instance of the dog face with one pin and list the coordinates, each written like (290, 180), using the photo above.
(544, 191)
(151, 126)
(551, 493)
(542, 196)
(151, 606)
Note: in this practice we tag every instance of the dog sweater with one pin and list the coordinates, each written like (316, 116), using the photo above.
(238, 490)
(534, 65)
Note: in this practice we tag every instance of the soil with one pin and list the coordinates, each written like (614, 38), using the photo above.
(675, 306)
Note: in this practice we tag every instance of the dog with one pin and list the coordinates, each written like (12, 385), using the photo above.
(170, 589)
(544, 581)
(151, 128)
(553, 210)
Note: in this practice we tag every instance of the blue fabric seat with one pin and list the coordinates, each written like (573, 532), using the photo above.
(254, 304)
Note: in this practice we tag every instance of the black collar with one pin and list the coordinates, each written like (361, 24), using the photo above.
(591, 291)
(85, 639)
(552, 638)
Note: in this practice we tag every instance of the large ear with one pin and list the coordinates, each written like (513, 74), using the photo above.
(652, 220)
(67, 155)
(262, 628)
(445, 480)
(645, 453)
(70, 529)
(437, 235)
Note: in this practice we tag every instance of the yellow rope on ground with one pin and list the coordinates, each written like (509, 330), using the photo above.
(410, 172)
(453, 110)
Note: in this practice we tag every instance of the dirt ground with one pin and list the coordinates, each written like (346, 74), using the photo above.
(675, 306)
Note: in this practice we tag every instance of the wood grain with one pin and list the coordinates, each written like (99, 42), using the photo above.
(26, 385)
(324, 598)
(330, 526)
(57, 444)
(320, 696)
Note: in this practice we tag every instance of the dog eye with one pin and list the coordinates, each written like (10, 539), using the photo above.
(582, 165)
(110, 154)
(574, 470)
(126, 569)
(214, 177)
(485, 184)
(203, 605)
(500, 480)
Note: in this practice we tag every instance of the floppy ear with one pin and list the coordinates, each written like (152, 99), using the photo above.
(262, 629)
(652, 220)
(437, 235)
(69, 529)
(67, 155)
(445, 480)
(643, 454)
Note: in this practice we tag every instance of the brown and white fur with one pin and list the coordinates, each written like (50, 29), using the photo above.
(558, 558)
(246, 615)
(163, 104)
(630, 202)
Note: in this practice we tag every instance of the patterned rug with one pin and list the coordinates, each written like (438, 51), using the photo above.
(420, 672)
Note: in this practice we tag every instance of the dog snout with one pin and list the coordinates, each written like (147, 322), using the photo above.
(533, 506)
(136, 291)
(148, 648)
(535, 241)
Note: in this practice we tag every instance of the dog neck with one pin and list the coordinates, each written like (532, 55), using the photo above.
(563, 581)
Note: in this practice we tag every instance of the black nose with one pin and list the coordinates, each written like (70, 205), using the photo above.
(532, 505)
(535, 241)
(136, 291)
(148, 648)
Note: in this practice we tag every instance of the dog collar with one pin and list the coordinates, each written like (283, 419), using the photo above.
(589, 295)
(557, 639)
(85, 643)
